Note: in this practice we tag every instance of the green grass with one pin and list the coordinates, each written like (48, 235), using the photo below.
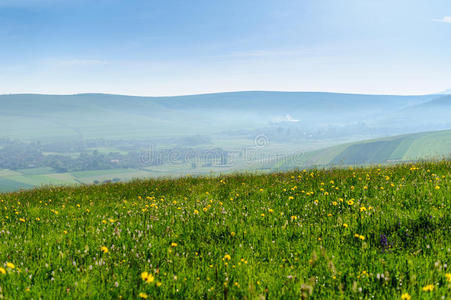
(316, 233)
(409, 147)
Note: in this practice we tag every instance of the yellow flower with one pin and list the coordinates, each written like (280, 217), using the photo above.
(334, 203)
(149, 278)
(232, 233)
(205, 209)
(345, 225)
(10, 265)
(293, 218)
(270, 210)
(143, 295)
(405, 296)
(448, 277)
(104, 221)
(196, 212)
(362, 237)
(437, 187)
(104, 249)
(2, 270)
(144, 275)
(22, 220)
(363, 208)
(350, 202)
(173, 244)
(227, 257)
(428, 288)
(290, 198)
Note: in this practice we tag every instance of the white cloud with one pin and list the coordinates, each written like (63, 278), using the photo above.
(445, 19)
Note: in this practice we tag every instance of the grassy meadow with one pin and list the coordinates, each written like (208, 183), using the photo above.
(376, 232)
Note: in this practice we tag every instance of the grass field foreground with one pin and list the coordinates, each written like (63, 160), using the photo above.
(382, 232)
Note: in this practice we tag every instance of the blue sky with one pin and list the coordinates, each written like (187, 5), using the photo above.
(167, 47)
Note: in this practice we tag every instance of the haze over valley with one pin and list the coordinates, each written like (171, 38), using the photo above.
(93, 138)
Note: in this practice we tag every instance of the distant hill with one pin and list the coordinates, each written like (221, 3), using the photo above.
(426, 145)
(31, 116)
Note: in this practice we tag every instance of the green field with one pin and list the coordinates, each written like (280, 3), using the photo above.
(325, 234)
(410, 147)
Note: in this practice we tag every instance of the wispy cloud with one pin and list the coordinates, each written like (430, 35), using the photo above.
(81, 62)
(264, 53)
(445, 19)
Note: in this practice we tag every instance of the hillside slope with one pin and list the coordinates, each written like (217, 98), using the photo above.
(114, 116)
(426, 145)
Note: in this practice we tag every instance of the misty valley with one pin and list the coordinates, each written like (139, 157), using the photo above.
(97, 138)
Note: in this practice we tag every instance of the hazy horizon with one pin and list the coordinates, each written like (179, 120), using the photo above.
(443, 92)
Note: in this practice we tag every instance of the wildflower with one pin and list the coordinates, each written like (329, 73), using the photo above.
(437, 187)
(270, 210)
(428, 288)
(104, 221)
(196, 212)
(104, 249)
(232, 233)
(405, 296)
(173, 244)
(2, 270)
(205, 209)
(290, 198)
(448, 277)
(334, 203)
(22, 220)
(10, 265)
(345, 225)
(227, 257)
(293, 218)
(147, 277)
(142, 295)
(363, 208)
(350, 202)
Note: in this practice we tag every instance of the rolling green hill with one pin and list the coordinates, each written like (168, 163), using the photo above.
(426, 145)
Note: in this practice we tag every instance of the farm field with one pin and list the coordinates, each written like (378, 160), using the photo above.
(403, 148)
(375, 232)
